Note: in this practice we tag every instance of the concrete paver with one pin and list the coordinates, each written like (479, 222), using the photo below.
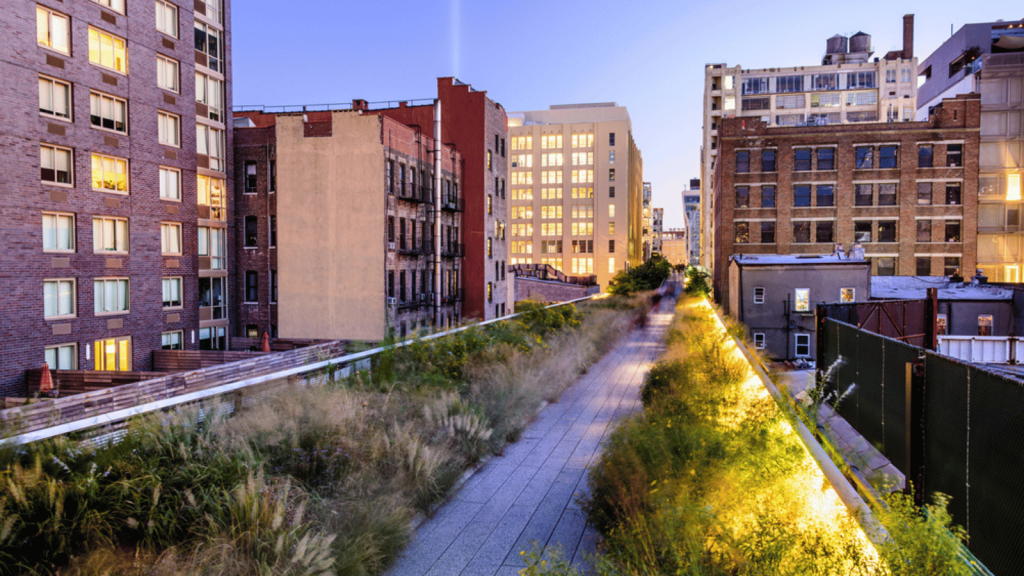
(530, 493)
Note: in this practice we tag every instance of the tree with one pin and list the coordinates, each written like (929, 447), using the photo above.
(646, 276)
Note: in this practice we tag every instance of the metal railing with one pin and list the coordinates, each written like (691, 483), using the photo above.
(341, 365)
(982, 349)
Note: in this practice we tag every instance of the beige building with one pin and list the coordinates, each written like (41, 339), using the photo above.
(647, 221)
(673, 246)
(657, 228)
(575, 190)
(850, 86)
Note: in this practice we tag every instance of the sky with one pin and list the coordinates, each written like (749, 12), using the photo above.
(648, 56)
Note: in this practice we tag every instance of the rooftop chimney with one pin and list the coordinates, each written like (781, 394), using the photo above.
(908, 36)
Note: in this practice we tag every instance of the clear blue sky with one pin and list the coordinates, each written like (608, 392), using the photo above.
(648, 56)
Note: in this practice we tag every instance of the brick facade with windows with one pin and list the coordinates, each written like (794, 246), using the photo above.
(23, 62)
(810, 202)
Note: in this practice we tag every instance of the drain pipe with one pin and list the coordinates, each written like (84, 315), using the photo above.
(437, 213)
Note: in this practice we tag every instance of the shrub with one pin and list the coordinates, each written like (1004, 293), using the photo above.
(647, 276)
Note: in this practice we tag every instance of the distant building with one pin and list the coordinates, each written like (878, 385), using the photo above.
(775, 295)
(988, 59)
(338, 232)
(657, 227)
(576, 190)
(849, 87)
(967, 308)
(647, 221)
(907, 191)
(674, 247)
(116, 157)
(691, 222)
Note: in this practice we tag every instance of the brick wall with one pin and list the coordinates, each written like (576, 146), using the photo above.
(549, 290)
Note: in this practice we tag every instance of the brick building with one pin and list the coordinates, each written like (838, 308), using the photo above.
(336, 213)
(478, 128)
(116, 155)
(907, 191)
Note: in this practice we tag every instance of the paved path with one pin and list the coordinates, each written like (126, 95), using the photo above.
(529, 494)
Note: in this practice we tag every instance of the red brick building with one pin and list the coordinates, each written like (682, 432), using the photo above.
(107, 140)
(478, 128)
(906, 191)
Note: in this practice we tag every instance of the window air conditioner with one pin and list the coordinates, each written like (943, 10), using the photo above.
(391, 245)
(392, 301)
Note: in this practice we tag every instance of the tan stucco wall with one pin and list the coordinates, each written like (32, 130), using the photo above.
(331, 219)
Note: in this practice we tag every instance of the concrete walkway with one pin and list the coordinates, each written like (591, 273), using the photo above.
(530, 493)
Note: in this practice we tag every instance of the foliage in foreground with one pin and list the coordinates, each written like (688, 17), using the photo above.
(311, 480)
(647, 276)
(704, 482)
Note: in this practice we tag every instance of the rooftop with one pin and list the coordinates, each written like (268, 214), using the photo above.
(793, 259)
(916, 287)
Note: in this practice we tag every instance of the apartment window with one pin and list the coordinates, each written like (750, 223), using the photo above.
(801, 232)
(210, 143)
(109, 174)
(115, 5)
(53, 30)
(611, 174)
(167, 18)
(58, 232)
(825, 195)
(611, 156)
(108, 112)
(865, 158)
(847, 294)
(758, 295)
(171, 340)
(953, 193)
(862, 231)
(111, 295)
(887, 157)
(803, 345)
(952, 231)
(742, 232)
(824, 232)
(742, 196)
(210, 91)
(767, 196)
(169, 129)
(170, 238)
(272, 176)
(924, 231)
(490, 292)
(802, 195)
(208, 41)
(984, 325)
(611, 228)
(767, 232)
(109, 235)
(611, 210)
(251, 286)
(802, 159)
(172, 292)
(55, 165)
(924, 156)
(759, 340)
(951, 266)
(611, 246)
(251, 237)
(890, 76)
(743, 161)
(954, 155)
(170, 183)
(611, 138)
(611, 191)
(768, 161)
(250, 177)
(108, 51)
(212, 296)
(940, 324)
(826, 159)
(212, 246)
(886, 266)
(887, 194)
(54, 98)
(273, 231)
(167, 73)
(923, 266)
(490, 161)
(490, 247)
(887, 231)
(924, 193)
(59, 298)
(863, 194)
(802, 299)
(211, 192)
(490, 205)
(273, 285)
(61, 357)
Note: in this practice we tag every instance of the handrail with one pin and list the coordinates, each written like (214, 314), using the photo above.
(126, 413)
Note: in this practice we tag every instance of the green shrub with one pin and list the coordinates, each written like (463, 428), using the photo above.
(659, 380)
(647, 276)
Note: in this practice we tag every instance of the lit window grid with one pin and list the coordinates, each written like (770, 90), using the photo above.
(108, 51)
(53, 30)
(109, 174)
